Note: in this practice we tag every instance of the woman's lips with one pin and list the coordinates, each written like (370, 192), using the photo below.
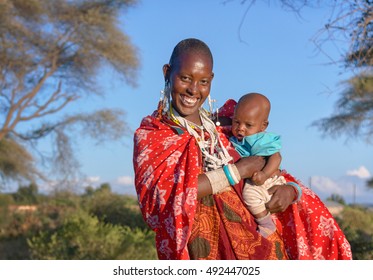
(188, 101)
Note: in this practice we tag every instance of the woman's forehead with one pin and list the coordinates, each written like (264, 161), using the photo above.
(194, 59)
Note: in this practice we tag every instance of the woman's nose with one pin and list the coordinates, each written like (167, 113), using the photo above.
(192, 88)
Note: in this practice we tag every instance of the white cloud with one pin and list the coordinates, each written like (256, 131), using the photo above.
(92, 179)
(326, 185)
(362, 172)
(352, 188)
(125, 181)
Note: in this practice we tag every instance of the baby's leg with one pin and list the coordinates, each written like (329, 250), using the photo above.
(255, 198)
(266, 225)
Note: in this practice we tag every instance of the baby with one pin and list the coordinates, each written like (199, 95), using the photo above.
(249, 138)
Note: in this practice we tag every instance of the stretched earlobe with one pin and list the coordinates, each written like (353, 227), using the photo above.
(166, 72)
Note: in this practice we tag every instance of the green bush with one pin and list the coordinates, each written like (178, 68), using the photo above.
(27, 194)
(83, 236)
(357, 224)
(138, 245)
(5, 201)
(16, 227)
(115, 209)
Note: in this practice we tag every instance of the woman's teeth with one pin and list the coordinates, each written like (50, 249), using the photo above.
(190, 101)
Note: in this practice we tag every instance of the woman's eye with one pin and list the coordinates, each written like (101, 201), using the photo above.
(185, 78)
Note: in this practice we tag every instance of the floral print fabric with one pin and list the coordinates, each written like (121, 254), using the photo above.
(167, 162)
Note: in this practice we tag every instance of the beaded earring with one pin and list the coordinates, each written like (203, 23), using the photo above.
(211, 105)
(164, 100)
(213, 115)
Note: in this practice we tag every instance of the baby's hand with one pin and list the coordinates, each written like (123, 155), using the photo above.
(259, 178)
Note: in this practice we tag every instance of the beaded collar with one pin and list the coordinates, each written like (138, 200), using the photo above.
(215, 155)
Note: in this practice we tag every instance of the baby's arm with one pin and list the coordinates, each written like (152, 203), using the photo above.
(270, 169)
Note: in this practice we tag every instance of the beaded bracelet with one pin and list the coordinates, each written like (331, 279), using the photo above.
(218, 180)
(229, 176)
(235, 174)
(298, 190)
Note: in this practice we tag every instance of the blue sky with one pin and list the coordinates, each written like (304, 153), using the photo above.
(272, 53)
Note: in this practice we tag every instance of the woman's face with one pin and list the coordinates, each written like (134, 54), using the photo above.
(190, 81)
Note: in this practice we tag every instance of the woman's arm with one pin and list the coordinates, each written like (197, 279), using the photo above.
(246, 168)
(204, 186)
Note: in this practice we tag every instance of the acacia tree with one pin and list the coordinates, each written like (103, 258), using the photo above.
(352, 21)
(50, 55)
(353, 116)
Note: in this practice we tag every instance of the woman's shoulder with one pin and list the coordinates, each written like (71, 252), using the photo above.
(160, 125)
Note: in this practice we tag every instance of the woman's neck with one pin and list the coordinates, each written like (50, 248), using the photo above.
(194, 119)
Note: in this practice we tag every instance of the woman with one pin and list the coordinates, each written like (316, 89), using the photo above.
(189, 178)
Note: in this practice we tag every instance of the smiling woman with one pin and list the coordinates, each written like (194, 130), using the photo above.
(189, 179)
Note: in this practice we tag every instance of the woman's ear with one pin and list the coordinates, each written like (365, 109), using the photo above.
(166, 72)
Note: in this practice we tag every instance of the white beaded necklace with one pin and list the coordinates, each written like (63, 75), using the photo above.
(214, 152)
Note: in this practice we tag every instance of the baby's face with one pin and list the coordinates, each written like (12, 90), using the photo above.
(247, 122)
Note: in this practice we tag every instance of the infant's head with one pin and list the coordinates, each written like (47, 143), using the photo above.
(250, 115)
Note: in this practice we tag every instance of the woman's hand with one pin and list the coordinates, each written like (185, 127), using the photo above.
(247, 166)
(282, 197)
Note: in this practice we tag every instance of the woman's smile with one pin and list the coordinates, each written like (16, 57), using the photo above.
(188, 101)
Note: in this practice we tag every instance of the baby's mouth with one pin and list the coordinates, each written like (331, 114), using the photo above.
(239, 137)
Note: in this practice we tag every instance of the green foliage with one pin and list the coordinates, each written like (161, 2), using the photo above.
(353, 111)
(15, 160)
(14, 248)
(138, 245)
(80, 237)
(114, 208)
(337, 198)
(83, 236)
(65, 199)
(351, 20)
(26, 194)
(5, 202)
(96, 225)
(51, 55)
(357, 224)
(20, 222)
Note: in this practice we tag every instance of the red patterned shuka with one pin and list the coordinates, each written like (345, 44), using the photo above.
(167, 162)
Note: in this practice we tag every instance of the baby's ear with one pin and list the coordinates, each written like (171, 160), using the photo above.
(265, 125)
